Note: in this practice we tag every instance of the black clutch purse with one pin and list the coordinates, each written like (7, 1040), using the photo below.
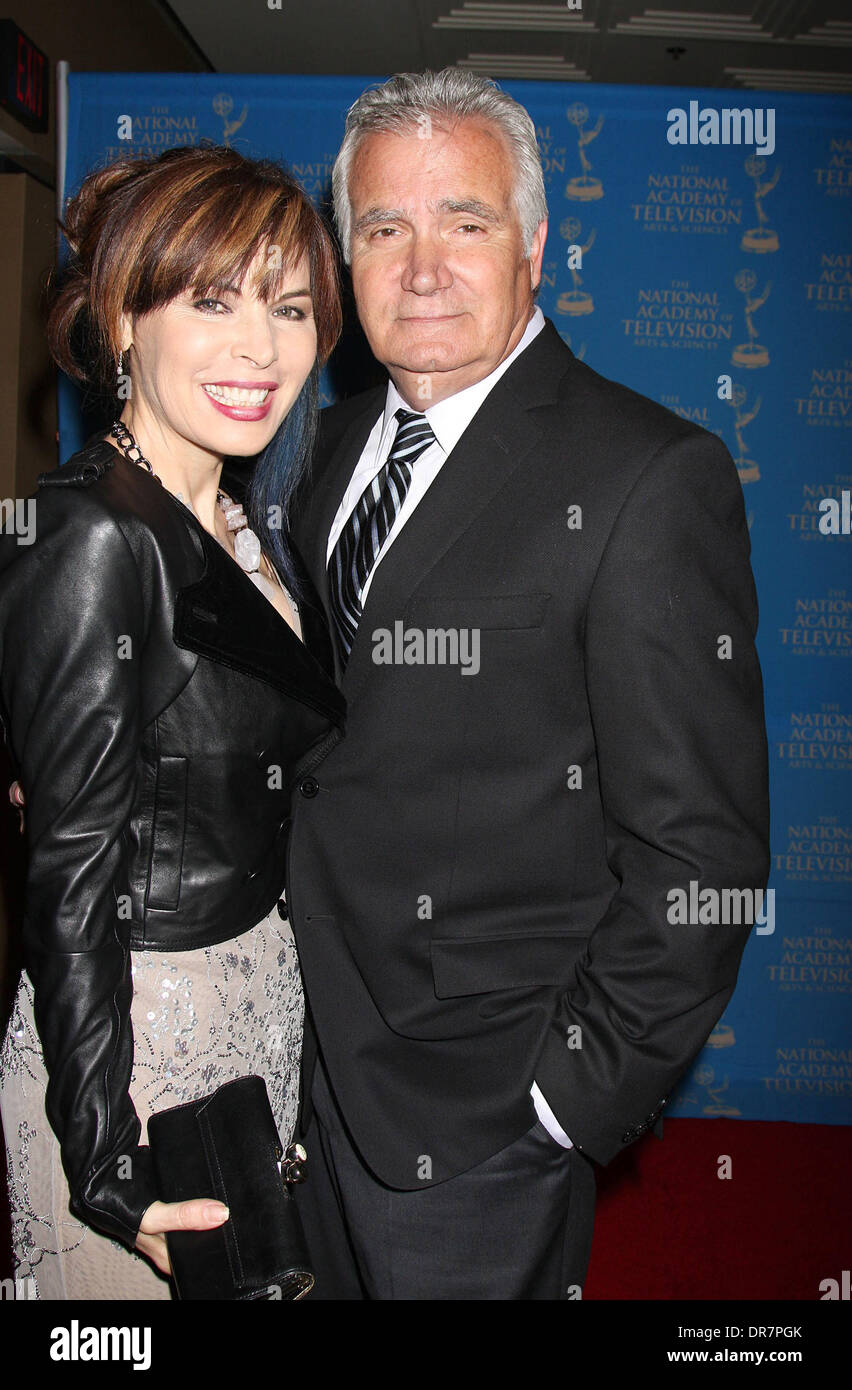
(226, 1146)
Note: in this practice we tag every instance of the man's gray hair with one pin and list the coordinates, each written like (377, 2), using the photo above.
(412, 100)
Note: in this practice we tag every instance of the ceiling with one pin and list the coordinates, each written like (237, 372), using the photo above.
(788, 45)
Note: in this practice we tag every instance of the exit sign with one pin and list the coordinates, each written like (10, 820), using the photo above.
(23, 77)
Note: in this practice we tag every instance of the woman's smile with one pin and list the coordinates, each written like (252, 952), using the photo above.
(241, 400)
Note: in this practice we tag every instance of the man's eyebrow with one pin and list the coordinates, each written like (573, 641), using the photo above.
(376, 216)
(472, 205)
(373, 216)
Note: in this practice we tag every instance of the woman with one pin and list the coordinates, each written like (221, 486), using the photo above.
(158, 703)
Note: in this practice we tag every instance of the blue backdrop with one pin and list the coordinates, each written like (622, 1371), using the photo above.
(699, 263)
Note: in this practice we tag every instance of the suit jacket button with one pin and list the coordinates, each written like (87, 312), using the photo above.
(309, 786)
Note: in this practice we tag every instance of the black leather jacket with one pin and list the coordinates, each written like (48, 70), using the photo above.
(159, 714)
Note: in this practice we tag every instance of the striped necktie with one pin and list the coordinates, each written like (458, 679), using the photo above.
(368, 527)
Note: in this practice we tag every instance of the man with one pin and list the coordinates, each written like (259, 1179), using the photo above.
(539, 588)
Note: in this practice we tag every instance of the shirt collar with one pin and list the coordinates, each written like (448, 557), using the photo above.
(450, 418)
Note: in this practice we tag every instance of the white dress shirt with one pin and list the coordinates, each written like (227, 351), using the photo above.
(449, 419)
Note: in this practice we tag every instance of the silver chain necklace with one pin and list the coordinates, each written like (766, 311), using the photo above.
(247, 550)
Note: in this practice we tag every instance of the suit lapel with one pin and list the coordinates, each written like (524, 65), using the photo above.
(327, 489)
(500, 439)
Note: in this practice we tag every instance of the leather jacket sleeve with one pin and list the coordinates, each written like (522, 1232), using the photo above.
(72, 631)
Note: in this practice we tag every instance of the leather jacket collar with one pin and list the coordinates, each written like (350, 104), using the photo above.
(222, 616)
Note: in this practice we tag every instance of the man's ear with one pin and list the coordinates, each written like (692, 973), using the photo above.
(536, 254)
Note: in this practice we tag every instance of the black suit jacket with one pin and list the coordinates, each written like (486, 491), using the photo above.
(472, 912)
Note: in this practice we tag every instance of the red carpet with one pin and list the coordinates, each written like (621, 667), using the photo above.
(668, 1227)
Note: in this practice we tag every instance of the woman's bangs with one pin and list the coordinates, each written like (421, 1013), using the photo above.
(274, 248)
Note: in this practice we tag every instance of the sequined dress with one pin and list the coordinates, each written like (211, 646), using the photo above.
(200, 1018)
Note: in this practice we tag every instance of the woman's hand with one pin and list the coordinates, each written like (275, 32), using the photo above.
(199, 1214)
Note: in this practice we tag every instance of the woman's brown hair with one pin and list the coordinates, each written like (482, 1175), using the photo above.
(143, 231)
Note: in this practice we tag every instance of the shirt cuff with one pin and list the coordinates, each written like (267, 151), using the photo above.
(548, 1119)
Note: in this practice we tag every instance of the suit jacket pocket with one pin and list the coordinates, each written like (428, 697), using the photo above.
(490, 613)
(167, 838)
(480, 964)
